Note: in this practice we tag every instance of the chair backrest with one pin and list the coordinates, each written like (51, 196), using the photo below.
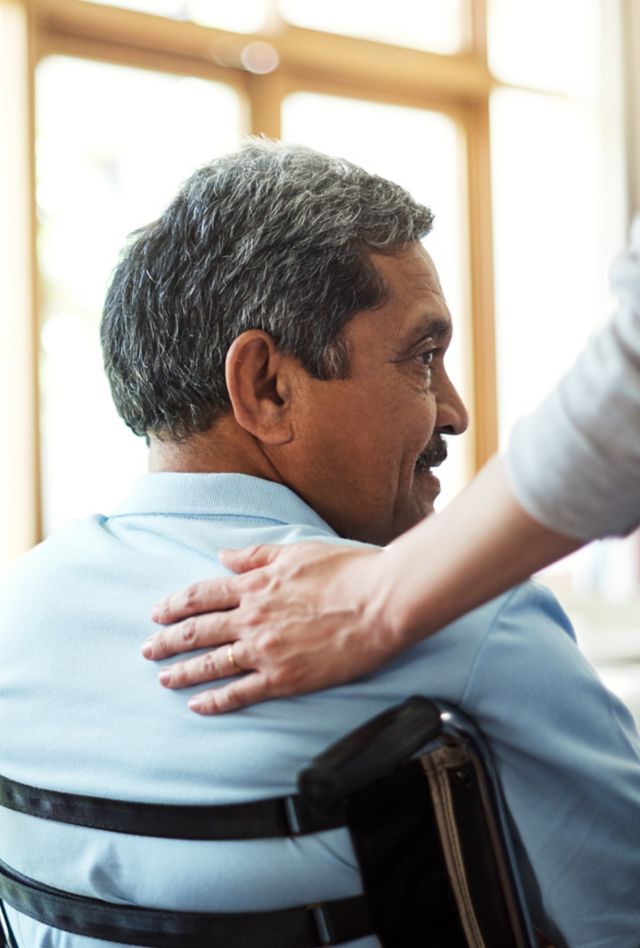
(417, 790)
(429, 825)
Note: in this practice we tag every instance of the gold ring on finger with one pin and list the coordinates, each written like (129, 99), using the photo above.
(232, 661)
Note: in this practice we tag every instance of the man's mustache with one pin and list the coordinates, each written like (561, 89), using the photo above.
(433, 455)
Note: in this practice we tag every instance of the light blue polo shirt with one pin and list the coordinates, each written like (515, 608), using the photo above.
(82, 711)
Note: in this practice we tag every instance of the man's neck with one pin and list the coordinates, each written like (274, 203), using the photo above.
(223, 449)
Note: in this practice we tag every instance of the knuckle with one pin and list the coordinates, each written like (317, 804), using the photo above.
(223, 587)
(229, 699)
(253, 616)
(269, 643)
(254, 581)
(160, 649)
(277, 681)
(189, 632)
(209, 664)
(274, 584)
(178, 675)
(192, 596)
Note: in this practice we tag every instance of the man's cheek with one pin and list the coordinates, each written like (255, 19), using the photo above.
(426, 488)
(418, 504)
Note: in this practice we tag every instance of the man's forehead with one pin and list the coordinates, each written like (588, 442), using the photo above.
(411, 274)
(415, 291)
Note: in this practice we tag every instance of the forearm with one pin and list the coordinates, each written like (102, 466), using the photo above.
(479, 546)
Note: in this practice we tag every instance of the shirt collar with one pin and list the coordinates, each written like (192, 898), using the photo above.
(206, 495)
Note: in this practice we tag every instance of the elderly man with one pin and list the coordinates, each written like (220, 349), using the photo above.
(279, 336)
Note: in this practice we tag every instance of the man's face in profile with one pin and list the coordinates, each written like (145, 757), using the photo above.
(370, 442)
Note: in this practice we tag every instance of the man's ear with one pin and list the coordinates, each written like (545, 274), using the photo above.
(259, 385)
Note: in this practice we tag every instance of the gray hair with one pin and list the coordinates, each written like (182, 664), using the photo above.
(273, 237)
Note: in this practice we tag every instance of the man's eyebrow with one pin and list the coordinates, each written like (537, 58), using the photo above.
(432, 327)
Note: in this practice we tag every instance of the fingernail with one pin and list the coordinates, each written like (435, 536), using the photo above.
(164, 677)
(155, 613)
(195, 704)
(147, 648)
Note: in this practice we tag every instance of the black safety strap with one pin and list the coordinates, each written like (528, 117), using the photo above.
(393, 818)
(327, 923)
(261, 819)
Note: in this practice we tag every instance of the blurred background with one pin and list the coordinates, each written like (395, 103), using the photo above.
(517, 121)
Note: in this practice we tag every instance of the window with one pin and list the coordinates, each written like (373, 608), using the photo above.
(558, 185)
(113, 145)
(246, 16)
(437, 25)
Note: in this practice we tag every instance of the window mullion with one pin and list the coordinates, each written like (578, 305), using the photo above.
(482, 329)
(478, 14)
(20, 509)
(265, 101)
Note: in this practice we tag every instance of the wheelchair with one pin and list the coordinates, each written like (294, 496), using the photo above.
(418, 792)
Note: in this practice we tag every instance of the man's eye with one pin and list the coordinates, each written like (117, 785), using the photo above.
(426, 357)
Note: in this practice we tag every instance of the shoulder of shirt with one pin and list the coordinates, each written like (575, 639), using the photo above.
(527, 601)
(68, 540)
(519, 627)
(516, 610)
(525, 628)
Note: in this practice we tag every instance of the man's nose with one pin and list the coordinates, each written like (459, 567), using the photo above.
(452, 417)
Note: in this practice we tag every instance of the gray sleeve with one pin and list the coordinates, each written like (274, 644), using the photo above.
(574, 463)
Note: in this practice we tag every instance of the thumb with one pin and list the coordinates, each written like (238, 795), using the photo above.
(250, 557)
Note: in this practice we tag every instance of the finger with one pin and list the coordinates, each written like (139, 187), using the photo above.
(209, 594)
(194, 632)
(237, 694)
(251, 557)
(208, 667)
